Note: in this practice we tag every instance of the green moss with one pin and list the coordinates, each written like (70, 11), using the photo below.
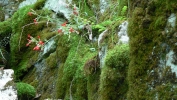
(30, 78)
(39, 4)
(19, 19)
(63, 48)
(26, 62)
(2, 15)
(25, 91)
(160, 22)
(72, 70)
(22, 24)
(118, 58)
(144, 42)
(52, 60)
(80, 83)
(60, 87)
(113, 74)
(93, 85)
(5, 28)
(46, 83)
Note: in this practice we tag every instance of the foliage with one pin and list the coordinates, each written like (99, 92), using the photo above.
(118, 57)
(72, 50)
(5, 28)
(71, 72)
(25, 91)
(147, 30)
(102, 26)
(114, 73)
(124, 10)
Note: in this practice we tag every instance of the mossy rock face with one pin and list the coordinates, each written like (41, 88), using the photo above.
(21, 24)
(113, 83)
(19, 36)
(149, 43)
(25, 91)
(71, 78)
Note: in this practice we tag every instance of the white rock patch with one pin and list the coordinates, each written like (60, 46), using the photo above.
(7, 92)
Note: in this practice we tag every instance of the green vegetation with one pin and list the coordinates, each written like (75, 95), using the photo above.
(5, 28)
(73, 69)
(113, 79)
(25, 91)
(71, 75)
(147, 32)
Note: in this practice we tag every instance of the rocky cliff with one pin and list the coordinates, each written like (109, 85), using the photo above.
(91, 49)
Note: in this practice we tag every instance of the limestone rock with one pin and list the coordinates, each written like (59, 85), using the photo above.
(7, 87)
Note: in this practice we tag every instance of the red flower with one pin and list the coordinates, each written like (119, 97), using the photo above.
(64, 24)
(30, 13)
(35, 21)
(74, 8)
(71, 30)
(36, 48)
(29, 36)
(41, 43)
(75, 13)
(59, 30)
(29, 42)
(38, 37)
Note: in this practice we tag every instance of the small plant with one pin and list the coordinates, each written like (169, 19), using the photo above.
(39, 44)
(64, 29)
(124, 10)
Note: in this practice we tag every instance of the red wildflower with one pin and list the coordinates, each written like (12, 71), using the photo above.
(64, 24)
(74, 8)
(36, 48)
(75, 13)
(38, 37)
(59, 30)
(41, 43)
(35, 21)
(71, 30)
(30, 13)
(29, 36)
(29, 42)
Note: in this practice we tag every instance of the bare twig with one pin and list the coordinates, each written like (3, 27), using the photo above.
(70, 90)
(2, 55)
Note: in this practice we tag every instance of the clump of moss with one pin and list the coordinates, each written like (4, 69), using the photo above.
(113, 75)
(19, 36)
(92, 65)
(93, 82)
(52, 60)
(25, 91)
(72, 77)
(118, 58)
(2, 15)
(39, 4)
(5, 28)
